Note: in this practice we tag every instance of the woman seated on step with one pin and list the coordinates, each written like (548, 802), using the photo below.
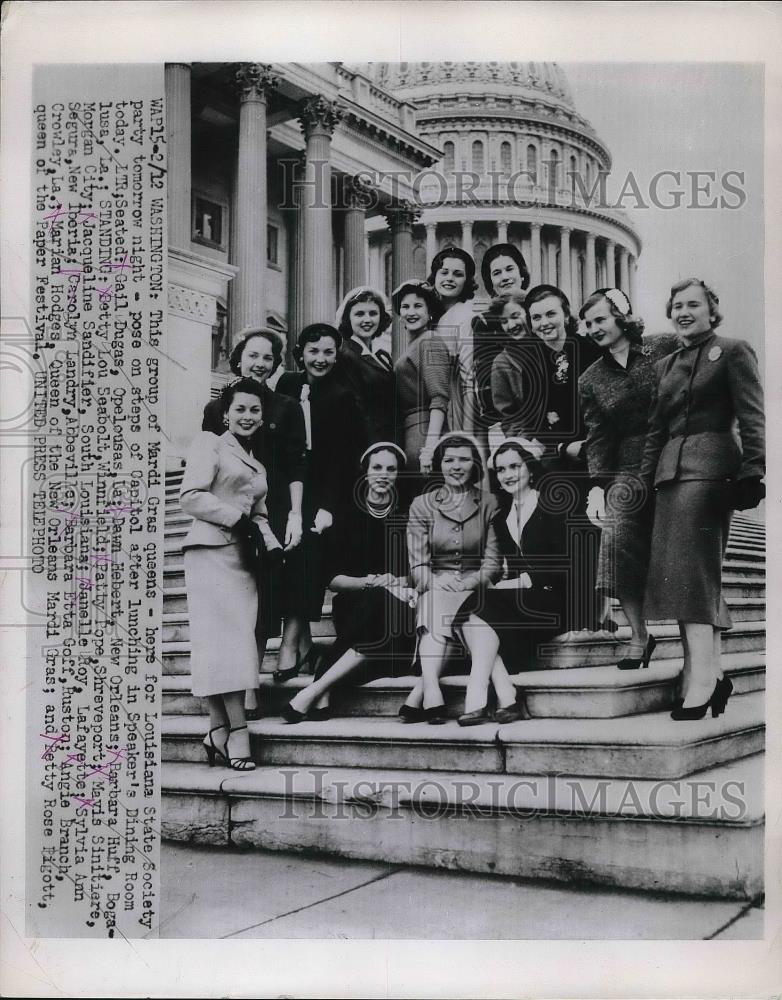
(453, 551)
(504, 624)
(224, 489)
(373, 606)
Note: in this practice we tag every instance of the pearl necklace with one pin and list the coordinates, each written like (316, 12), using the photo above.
(379, 512)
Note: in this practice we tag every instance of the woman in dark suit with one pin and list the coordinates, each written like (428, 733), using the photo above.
(616, 392)
(506, 621)
(700, 472)
(556, 423)
(366, 368)
(224, 489)
(336, 435)
(374, 606)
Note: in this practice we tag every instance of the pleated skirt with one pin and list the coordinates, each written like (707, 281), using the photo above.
(222, 602)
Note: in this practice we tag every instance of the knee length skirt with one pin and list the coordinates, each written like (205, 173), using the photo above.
(623, 564)
(222, 602)
(689, 537)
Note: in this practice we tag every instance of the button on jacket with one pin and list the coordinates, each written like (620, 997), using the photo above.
(444, 538)
(707, 418)
(221, 483)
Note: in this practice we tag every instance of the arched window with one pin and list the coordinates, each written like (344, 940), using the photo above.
(448, 157)
(553, 167)
(532, 163)
(589, 175)
(506, 159)
(573, 169)
(477, 157)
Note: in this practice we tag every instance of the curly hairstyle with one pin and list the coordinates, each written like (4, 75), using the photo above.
(498, 303)
(311, 334)
(503, 250)
(540, 292)
(414, 286)
(249, 385)
(470, 284)
(457, 440)
(246, 335)
(631, 326)
(362, 294)
(711, 298)
(533, 465)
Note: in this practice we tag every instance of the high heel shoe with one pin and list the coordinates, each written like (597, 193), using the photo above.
(212, 753)
(238, 763)
(280, 676)
(477, 717)
(719, 699)
(715, 703)
(634, 662)
(436, 716)
(292, 715)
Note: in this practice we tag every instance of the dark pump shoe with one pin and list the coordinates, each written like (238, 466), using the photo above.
(719, 699)
(407, 713)
(633, 663)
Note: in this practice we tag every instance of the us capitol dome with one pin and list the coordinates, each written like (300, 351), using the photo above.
(518, 165)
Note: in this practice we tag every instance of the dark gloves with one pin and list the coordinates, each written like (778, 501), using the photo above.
(745, 494)
(250, 540)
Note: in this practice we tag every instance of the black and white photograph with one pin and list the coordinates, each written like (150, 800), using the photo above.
(391, 557)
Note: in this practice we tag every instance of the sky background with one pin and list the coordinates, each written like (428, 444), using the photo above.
(686, 116)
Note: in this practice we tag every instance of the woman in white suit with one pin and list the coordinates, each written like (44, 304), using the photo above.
(224, 488)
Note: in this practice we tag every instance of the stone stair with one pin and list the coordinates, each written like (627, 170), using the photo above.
(598, 785)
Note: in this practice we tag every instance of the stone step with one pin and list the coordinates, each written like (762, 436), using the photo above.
(176, 656)
(176, 627)
(650, 747)
(686, 838)
(597, 652)
(737, 586)
(594, 692)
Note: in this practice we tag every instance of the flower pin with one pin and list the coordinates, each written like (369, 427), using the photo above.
(646, 350)
(553, 418)
(715, 353)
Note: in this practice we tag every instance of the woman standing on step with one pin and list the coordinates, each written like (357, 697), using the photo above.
(453, 551)
(374, 616)
(423, 375)
(503, 625)
(616, 392)
(224, 489)
(503, 272)
(279, 446)
(561, 356)
(515, 379)
(453, 278)
(700, 472)
(366, 369)
(335, 436)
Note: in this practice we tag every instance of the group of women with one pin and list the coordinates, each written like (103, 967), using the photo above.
(619, 455)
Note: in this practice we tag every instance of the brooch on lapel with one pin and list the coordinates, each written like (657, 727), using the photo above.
(552, 417)
(715, 353)
(561, 367)
(646, 350)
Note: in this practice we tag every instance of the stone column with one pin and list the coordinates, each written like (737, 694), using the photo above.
(295, 264)
(254, 81)
(502, 232)
(590, 272)
(551, 253)
(624, 270)
(400, 219)
(467, 237)
(534, 263)
(431, 242)
(564, 261)
(633, 267)
(356, 201)
(610, 264)
(318, 119)
(179, 154)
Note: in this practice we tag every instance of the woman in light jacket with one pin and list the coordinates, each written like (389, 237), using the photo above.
(224, 489)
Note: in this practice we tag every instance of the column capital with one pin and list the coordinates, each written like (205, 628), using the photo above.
(590, 238)
(610, 243)
(566, 229)
(431, 227)
(537, 226)
(319, 116)
(254, 81)
(358, 193)
(401, 215)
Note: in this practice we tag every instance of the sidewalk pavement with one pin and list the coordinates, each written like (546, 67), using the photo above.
(228, 893)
